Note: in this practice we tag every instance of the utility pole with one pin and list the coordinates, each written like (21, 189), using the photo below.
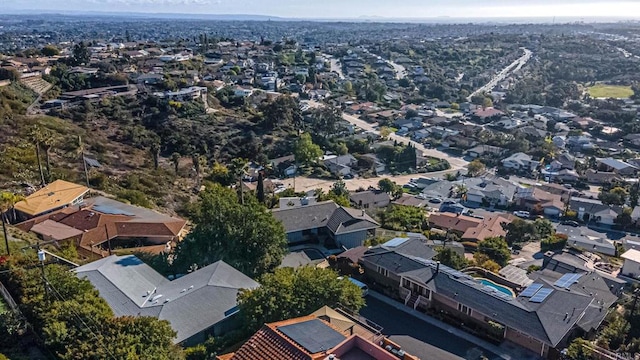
(84, 161)
(42, 257)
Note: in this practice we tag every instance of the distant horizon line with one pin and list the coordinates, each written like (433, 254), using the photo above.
(563, 19)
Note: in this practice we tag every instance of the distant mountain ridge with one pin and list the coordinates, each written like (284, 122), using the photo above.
(361, 19)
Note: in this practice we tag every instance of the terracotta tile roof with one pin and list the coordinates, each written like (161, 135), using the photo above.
(450, 221)
(489, 227)
(269, 344)
(53, 196)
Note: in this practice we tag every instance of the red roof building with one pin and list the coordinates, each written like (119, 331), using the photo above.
(326, 334)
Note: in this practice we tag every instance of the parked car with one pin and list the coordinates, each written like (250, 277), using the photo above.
(570, 223)
(522, 214)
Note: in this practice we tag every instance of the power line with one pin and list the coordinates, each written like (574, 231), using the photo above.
(61, 298)
(56, 292)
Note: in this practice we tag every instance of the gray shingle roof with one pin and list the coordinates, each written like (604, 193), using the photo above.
(346, 220)
(307, 217)
(191, 303)
(584, 305)
(337, 219)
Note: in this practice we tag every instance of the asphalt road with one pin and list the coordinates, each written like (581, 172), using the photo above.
(418, 337)
(514, 66)
(457, 163)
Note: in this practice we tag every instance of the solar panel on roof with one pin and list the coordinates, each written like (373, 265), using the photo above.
(567, 280)
(531, 290)
(111, 210)
(541, 295)
(314, 335)
(395, 242)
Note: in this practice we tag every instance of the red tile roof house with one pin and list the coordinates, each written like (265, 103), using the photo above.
(470, 228)
(485, 115)
(99, 223)
(533, 199)
(323, 335)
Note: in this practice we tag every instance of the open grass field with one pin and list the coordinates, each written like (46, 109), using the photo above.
(610, 91)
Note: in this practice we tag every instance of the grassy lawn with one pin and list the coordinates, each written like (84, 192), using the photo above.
(610, 91)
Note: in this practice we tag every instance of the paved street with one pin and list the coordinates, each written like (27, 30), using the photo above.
(419, 338)
(514, 66)
(456, 163)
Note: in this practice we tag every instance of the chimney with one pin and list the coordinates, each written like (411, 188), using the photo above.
(566, 315)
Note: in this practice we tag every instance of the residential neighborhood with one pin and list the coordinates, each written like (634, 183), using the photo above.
(188, 187)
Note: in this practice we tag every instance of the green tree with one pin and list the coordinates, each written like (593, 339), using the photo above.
(81, 54)
(175, 160)
(289, 293)
(543, 228)
(7, 202)
(305, 151)
(324, 120)
(475, 167)
(520, 231)
(50, 50)
(624, 220)
(284, 111)
(246, 237)
(578, 350)
(496, 249)
(348, 88)
(387, 185)
(76, 323)
(260, 188)
(9, 74)
(449, 257)
(615, 196)
(403, 218)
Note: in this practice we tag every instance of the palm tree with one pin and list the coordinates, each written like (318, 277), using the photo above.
(154, 149)
(37, 136)
(48, 142)
(7, 202)
(175, 159)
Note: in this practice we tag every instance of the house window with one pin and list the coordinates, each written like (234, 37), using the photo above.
(406, 283)
(464, 309)
(383, 271)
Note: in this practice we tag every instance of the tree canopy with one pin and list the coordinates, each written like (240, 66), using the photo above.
(403, 218)
(496, 249)
(475, 167)
(449, 257)
(289, 293)
(246, 237)
(520, 231)
(306, 152)
(76, 323)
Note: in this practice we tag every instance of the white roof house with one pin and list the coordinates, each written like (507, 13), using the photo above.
(631, 266)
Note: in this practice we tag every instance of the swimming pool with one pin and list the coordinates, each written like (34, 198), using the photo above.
(500, 288)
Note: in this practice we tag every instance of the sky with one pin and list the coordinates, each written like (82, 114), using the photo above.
(348, 9)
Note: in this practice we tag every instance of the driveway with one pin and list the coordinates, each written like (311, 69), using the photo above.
(420, 338)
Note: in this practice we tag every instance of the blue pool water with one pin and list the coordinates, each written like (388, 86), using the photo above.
(500, 288)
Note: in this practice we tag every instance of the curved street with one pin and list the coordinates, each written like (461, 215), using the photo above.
(514, 66)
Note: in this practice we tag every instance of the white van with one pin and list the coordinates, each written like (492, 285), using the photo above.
(361, 285)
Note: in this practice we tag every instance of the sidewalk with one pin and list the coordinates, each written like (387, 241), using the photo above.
(505, 352)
